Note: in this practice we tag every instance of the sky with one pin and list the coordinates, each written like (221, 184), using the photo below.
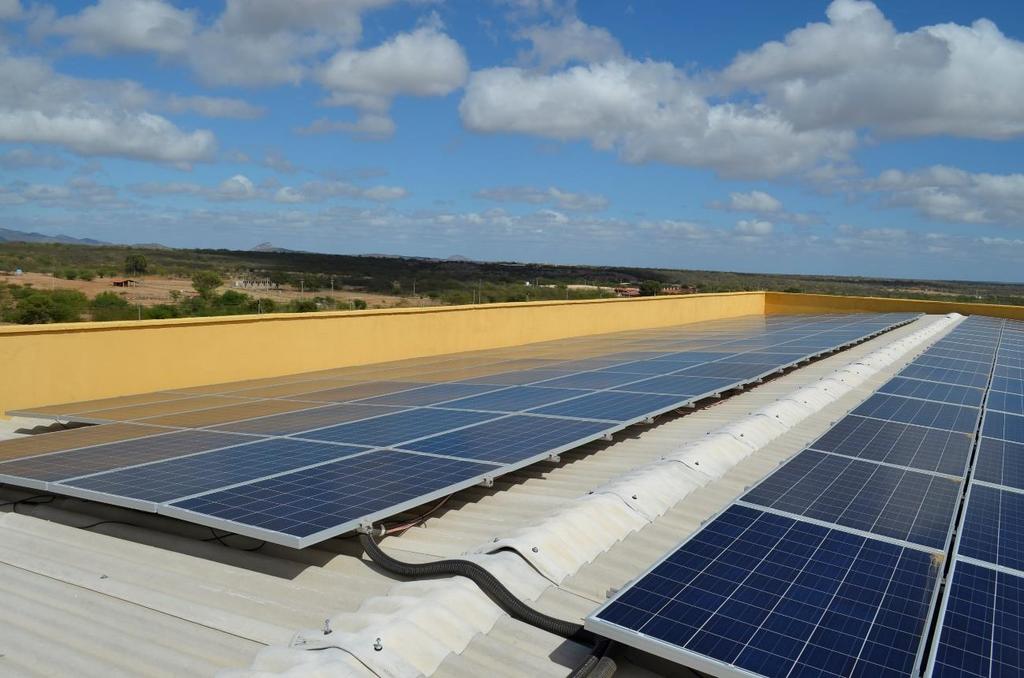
(849, 138)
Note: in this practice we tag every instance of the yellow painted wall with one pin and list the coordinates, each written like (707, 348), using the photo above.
(47, 364)
(786, 302)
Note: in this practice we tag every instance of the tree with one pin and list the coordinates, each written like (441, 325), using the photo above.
(135, 264)
(205, 282)
(650, 288)
(110, 306)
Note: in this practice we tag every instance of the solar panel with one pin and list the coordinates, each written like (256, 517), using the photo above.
(946, 376)
(776, 596)
(1015, 386)
(900, 444)
(894, 502)
(429, 395)
(982, 631)
(920, 412)
(1000, 462)
(97, 458)
(734, 371)
(591, 380)
(304, 420)
(391, 429)
(613, 406)
(515, 399)
(184, 476)
(308, 506)
(930, 390)
(679, 385)
(360, 391)
(1005, 402)
(993, 526)
(1004, 426)
(511, 440)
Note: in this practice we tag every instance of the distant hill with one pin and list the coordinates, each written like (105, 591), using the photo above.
(8, 235)
(270, 247)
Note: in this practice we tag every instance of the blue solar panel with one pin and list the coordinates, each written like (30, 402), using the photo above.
(993, 526)
(519, 377)
(982, 632)
(330, 498)
(679, 385)
(512, 439)
(931, 390)
(1015, 386)
(430, 395)
(734, 371)
(397, 428)
(891, 442)
(592, 380)
(100, 458)
(999, 462)
(908, 505)
(955, 364)
(1004, 426)
(184, 476)
(1005, 402)
(920, 412)
(515, 399)
(648, 367)
(305, 420)
(612, 406)
(945, 376)
(780, 597)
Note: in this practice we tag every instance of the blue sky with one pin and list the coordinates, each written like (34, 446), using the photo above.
(850, 137)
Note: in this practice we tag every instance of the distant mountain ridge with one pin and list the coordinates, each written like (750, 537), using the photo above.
(270, 247)
(9, 235)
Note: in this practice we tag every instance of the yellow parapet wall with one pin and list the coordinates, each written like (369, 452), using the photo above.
(787, 302)
(46, 364)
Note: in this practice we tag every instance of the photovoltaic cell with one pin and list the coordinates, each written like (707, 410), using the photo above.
(612, 406)
(429, 395)
(591, 380)
(955, 364)
(679, 385)
(184, 476)
(993, 527)
(946, 376)
(397, 428)
(1000, 462)
(733, 371)
(1004, 426)
(891, 442)
(920, 412)
(331, 497)
(304, 420)
(360, 391)
(61, 465)
(907, 505)
(780, 597)
(510, 440)
(931, 390)
(1015, 386)
(1005, 402)
(515, 399)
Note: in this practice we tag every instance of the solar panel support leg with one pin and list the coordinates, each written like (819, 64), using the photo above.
(607, 437)
(555, 458)
(488, 481)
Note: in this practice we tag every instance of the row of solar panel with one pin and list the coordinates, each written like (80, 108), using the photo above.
(323, 476)
(981, 630)
(790, 580)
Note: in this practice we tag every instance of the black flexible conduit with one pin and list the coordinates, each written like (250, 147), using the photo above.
(502, 597)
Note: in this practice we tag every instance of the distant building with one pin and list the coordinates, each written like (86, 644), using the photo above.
(627, 291)
(124, 282)
(678, 289)
(253, 284)
(18, 271)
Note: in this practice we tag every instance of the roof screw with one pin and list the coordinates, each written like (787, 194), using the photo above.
(327, 627)
(535, 549)
(634, 496)
(377, 645)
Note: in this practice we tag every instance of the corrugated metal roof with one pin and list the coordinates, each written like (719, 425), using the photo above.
(148, 595)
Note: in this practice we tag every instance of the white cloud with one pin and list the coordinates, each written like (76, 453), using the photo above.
(754, 227)
(214, 107)
(315, 191)
(24, 158)
(253, 42)
(368, 126)
(90, 117)
(10, 9)
(566, 200)
(424, 62)
(754, 201)
(567, 42)
(954, 195)
(128, 25)
(238, 187)
(647, 111)
(858, 71)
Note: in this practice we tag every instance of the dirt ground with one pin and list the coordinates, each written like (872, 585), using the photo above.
(154, 290)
